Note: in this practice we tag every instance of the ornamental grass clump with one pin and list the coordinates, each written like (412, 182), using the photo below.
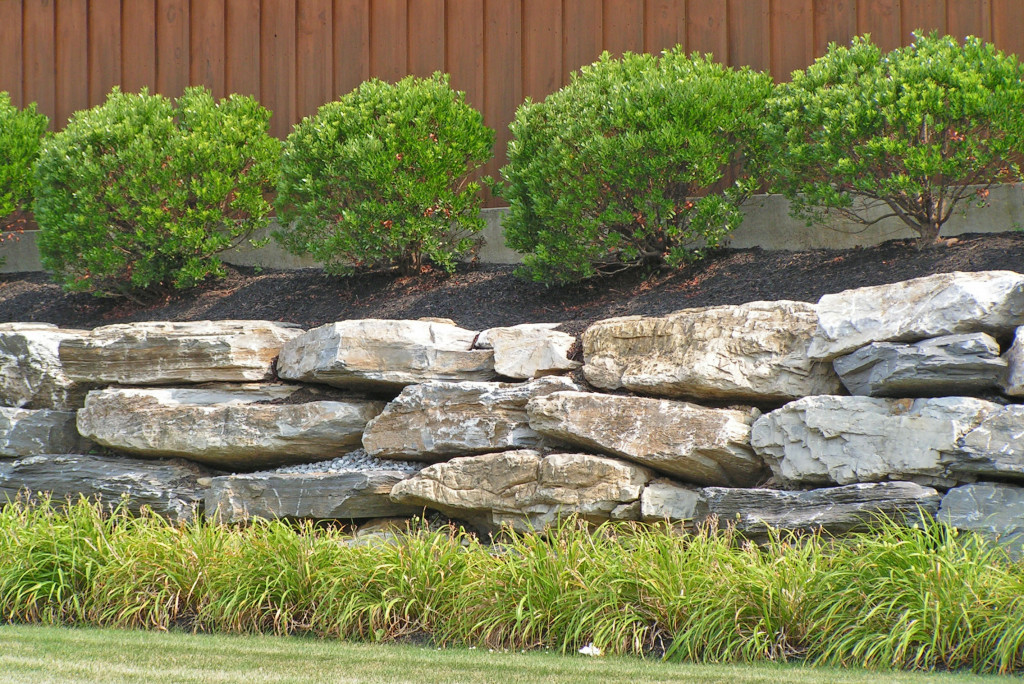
(381, 178)
(628, 165)
(866, 135)
(21, 133)
(138, 195)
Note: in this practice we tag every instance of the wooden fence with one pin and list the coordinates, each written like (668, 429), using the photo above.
(294, 55)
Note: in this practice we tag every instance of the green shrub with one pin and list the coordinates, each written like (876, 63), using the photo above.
(140, 193)
(21, 131)
(907, 134)
(379, 178)
(627, 164)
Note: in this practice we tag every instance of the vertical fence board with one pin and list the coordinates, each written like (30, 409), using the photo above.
(969, 18)
(750, 33)
(242, 47)
(464, 57)
(426, 37)
(623, 26)
(207, 46)
(351, 44)
(707, 28)
(792, 36)
(314, 77)
(389, 35)
(72, 73)
(104, 48)
(503, 76)
(927, 15)
(1008, 26)
(881, 19)
(277, 63)
(664, 25)
(542, 48)
(11, 34)
(835, 21)
(582, 34)
(138, 45)
(172, 46)
(39, 57)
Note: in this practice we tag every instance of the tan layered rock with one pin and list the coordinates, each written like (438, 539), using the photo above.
(752, 352)
(228, 430)
(164, 353)
(435, 421)
(31, 373)
(936, 305)
(384, 354)
(524, 489)
(702, 445)
(530, 350)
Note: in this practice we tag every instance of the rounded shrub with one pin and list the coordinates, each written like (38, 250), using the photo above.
(907, 134)
(139, 194)
(380, 178)
(21, 131)
(628, 164)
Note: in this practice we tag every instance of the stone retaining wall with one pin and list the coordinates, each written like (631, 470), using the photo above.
(896, 400)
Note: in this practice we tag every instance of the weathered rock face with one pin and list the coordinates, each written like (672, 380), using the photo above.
(31, 374)
(333, 495)
(949, 365)
(384, 355)
(171, 488)
(530, 350)
(523, 488)
(752, 352)
(667, 500)
(703, 445)
(434, 421)
(941, 304)
(842, 440)
(24, 432)
(222, 428)
(162, 353)
(995, 448)
(835, 509)
(991, 509)
(1013, 382)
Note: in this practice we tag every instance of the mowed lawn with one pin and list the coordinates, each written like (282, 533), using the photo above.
(50, 654)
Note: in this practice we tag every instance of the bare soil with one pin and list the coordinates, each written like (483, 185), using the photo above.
(489, 296)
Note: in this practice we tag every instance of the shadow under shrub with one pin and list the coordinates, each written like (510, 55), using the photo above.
(866, 135)
(628, 164)
(137, 196)
(380, 178)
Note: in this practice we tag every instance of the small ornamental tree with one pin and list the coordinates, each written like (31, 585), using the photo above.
(627, 165)
(21, 131)
(139, 194)
(380, 178)
(907, 134)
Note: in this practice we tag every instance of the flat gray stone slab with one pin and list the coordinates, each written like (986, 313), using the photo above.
(27, 432)
(994, 510)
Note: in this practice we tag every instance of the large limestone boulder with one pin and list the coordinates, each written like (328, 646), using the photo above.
(385, 355)
(435, 421)
(831, 440)
(524, 489)
(529, 350)
(31, 373)
(324, 495)
(234, 430)
(948, 365)
(936, 305)
(995, 448)
(752, 352)
(992, 509)
(164, 353)
(170, 487)
(27, 432)
(702, 445)
(835, 510)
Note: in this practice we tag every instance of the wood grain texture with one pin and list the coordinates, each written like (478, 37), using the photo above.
(138, 45)
(881, 19)
(750, 33)
(622, 26)
(11, 33)
(72, 59)
(707, 28)
(664, 25)
(314, 63)
(465, 50)
(242, 47)
(39, 56)
(971, 18)
(542, 48)
(104, 48)
(172, 46)
(207, 45)
(582, 34)
(427, 36)
(835, 21)
(351, 44)
(792, 36)
(277, 63)
(389, 39)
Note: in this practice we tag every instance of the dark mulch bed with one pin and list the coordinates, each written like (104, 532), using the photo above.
(488, 296)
